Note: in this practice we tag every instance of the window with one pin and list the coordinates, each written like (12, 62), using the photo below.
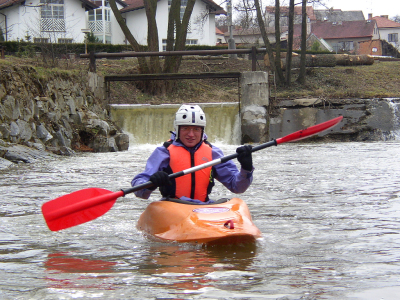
(188, 42)
(97, 15)
(347, 46)
(40, 40)
(52, 9)
(65, 41)
(393, 37)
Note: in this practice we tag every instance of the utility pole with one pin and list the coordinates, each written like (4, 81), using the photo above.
(231, 40)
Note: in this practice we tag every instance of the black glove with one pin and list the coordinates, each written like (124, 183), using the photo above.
(159, 178)
(245, 158)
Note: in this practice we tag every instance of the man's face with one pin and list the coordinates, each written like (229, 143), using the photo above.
(190, 136)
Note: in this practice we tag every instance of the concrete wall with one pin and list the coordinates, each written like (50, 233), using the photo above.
(363, 119)
(254, 96)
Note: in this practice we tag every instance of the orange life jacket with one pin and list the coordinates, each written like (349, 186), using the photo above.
(194, 185)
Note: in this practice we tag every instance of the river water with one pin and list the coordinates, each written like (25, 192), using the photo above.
(329, 214)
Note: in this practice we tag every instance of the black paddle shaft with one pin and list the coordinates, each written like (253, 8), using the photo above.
(199, 167)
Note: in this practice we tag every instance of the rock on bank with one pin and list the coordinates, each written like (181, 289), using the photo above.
(54, 113)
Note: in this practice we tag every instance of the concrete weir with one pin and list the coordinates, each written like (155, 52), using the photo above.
(151, 124)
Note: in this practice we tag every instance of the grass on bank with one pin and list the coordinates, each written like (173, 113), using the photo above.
(382, 79)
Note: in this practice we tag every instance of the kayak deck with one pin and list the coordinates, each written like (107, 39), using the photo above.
(223, 223)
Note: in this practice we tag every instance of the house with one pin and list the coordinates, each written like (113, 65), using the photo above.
(284, 15)
(219, 35)
(253, 36)
(201, 29)
(345, 35)
(57, 21)
(102, 22)
(389, 30)
(313, 16)
(54, 21)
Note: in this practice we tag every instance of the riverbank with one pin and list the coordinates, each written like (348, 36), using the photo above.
(53, 108)
(379, 80)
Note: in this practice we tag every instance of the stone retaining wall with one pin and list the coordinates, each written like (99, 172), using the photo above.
(60, 115)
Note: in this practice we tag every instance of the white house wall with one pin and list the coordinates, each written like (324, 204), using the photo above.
(117, 36)
(25, 19)
(12, 23)
(212, 41)
(137, 23)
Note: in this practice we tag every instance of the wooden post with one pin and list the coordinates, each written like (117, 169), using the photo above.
(253, 58)
(92, 63)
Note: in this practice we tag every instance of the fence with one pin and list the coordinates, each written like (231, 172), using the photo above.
(251, 51)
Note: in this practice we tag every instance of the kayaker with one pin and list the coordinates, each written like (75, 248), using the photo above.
(188, 147)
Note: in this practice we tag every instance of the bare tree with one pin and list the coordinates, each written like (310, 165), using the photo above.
(302, 75)
(176, 40)
(267, 43)
(290, 43)
(396, 18)
(278, 42)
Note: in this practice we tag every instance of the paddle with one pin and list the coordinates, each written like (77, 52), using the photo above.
(88, 204)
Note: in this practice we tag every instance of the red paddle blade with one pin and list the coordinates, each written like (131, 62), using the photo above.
(302, 134)
(78, 207)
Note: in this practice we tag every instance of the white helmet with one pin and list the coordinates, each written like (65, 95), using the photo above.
(189, 115)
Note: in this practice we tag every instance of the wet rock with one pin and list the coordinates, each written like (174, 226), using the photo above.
(5, 131)
(14, 129)
(20, 153)
(4, 163)
(25, 131)
(122, 141)
(43, 134)
(98, 126)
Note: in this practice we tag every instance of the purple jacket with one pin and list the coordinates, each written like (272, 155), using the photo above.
(226, 173)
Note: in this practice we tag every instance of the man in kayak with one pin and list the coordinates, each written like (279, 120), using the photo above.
(188, 147)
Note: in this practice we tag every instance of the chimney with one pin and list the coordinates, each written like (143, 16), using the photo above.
(369, 16)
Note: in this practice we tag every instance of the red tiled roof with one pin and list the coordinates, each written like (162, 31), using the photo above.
(7, 3)
(218, 31)
(384, 22)
(345, 29)
(133, 5)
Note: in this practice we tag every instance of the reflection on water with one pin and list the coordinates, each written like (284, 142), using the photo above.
(329, 214)
(60, 264)
(192, 268)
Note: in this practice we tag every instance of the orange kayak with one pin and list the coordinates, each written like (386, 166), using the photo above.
(228, 222)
